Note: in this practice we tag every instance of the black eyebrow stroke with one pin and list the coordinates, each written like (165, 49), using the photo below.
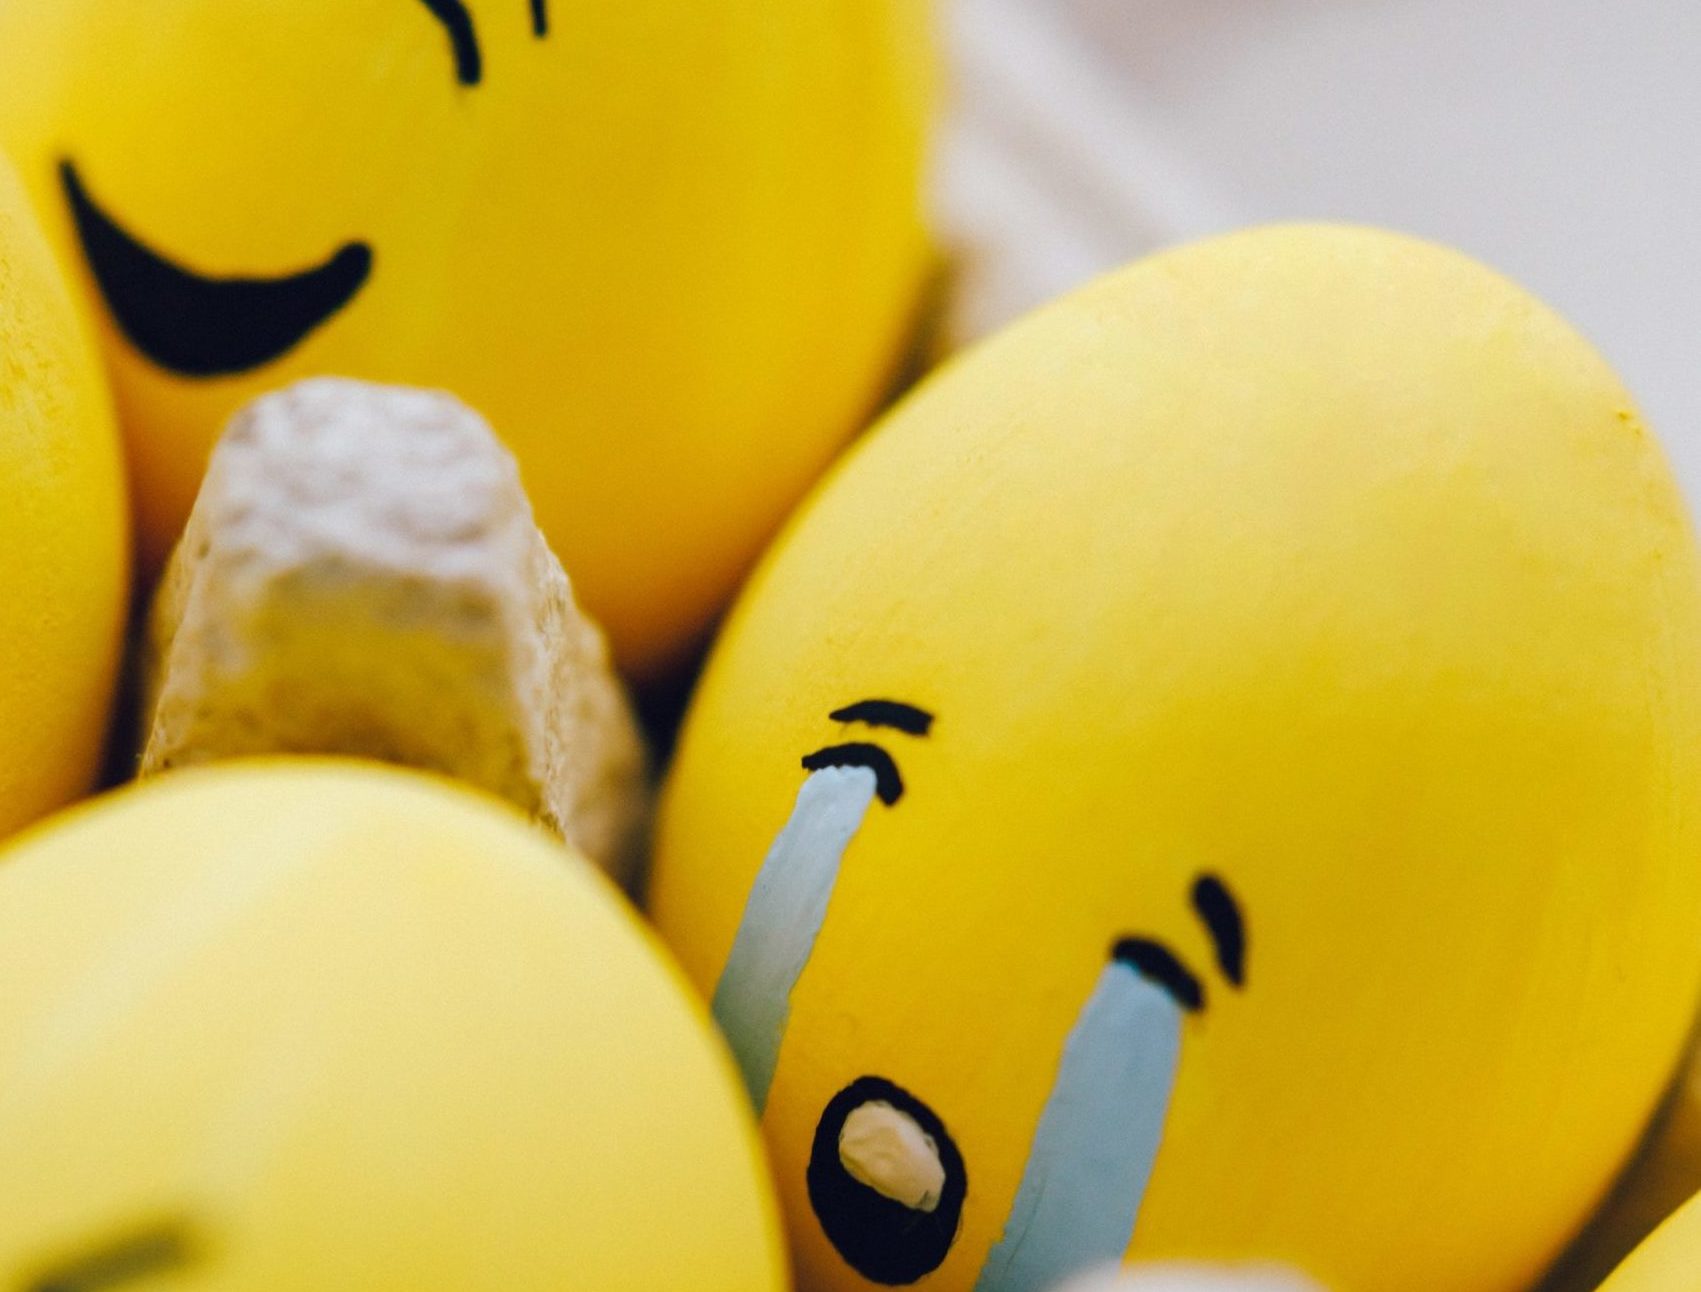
(1156, 962)
(888, 784)
(469, 63)
(135, 1256)
(886, 713)
(540, 17)
(1221, 913)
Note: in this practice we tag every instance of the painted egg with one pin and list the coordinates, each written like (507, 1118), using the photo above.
(670, 249)
(1215, 777)
(323, 1025)
(64, 555)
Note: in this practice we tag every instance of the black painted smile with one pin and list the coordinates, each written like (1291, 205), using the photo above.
(197, 326)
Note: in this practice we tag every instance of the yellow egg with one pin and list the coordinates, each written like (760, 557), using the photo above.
(1215, 777)
(1670, 1259)
(669, 248)
(320, 1025)
(64, 562)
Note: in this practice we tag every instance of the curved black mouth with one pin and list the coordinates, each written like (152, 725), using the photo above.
(198, 326)
(883, 1240)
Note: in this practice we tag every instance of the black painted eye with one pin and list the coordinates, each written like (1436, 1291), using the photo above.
(463, 38)
(1157, 964)
(884, 1240)
(889, 783)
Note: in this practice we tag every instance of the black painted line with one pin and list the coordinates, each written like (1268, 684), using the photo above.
(1158, 964)
(886, 713)
(888, 784)
(200, 326)
(136, 1256)
(469, 62)
(1221, 913)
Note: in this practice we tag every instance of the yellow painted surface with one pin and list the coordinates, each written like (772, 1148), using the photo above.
(1320, 559)
(64, 556)
(332, 1025)
(670, 249)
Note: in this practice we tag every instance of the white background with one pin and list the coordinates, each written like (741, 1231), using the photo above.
(1558, 140)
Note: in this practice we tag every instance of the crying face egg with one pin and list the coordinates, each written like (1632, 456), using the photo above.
(1214, 778)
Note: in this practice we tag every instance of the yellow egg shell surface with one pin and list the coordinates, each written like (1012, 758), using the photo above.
(1215, 777)
(312, 1025)
(670, 249)
(64, 562)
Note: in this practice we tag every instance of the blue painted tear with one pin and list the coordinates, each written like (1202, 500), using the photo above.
(783, 918)
(1097, 1139)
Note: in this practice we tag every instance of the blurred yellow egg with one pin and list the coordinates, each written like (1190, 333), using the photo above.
(1215, 777)
(64, 556)
(669, 248)
(322, 1025)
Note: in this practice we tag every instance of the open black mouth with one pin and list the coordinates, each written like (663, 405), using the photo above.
(198, 326)
(881, 1239)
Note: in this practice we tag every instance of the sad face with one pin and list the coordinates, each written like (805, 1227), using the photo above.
(886, 1181)
(668, 249)
(1190, 790)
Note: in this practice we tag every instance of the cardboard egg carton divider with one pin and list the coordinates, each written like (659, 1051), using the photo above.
(362, 576)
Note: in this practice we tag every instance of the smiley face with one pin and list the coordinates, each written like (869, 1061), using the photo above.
(1236, 821)
(198, 325)
(674, 305)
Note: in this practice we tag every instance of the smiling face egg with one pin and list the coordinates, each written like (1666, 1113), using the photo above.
(321, 1025)
(669, 249)
(1214, 778)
